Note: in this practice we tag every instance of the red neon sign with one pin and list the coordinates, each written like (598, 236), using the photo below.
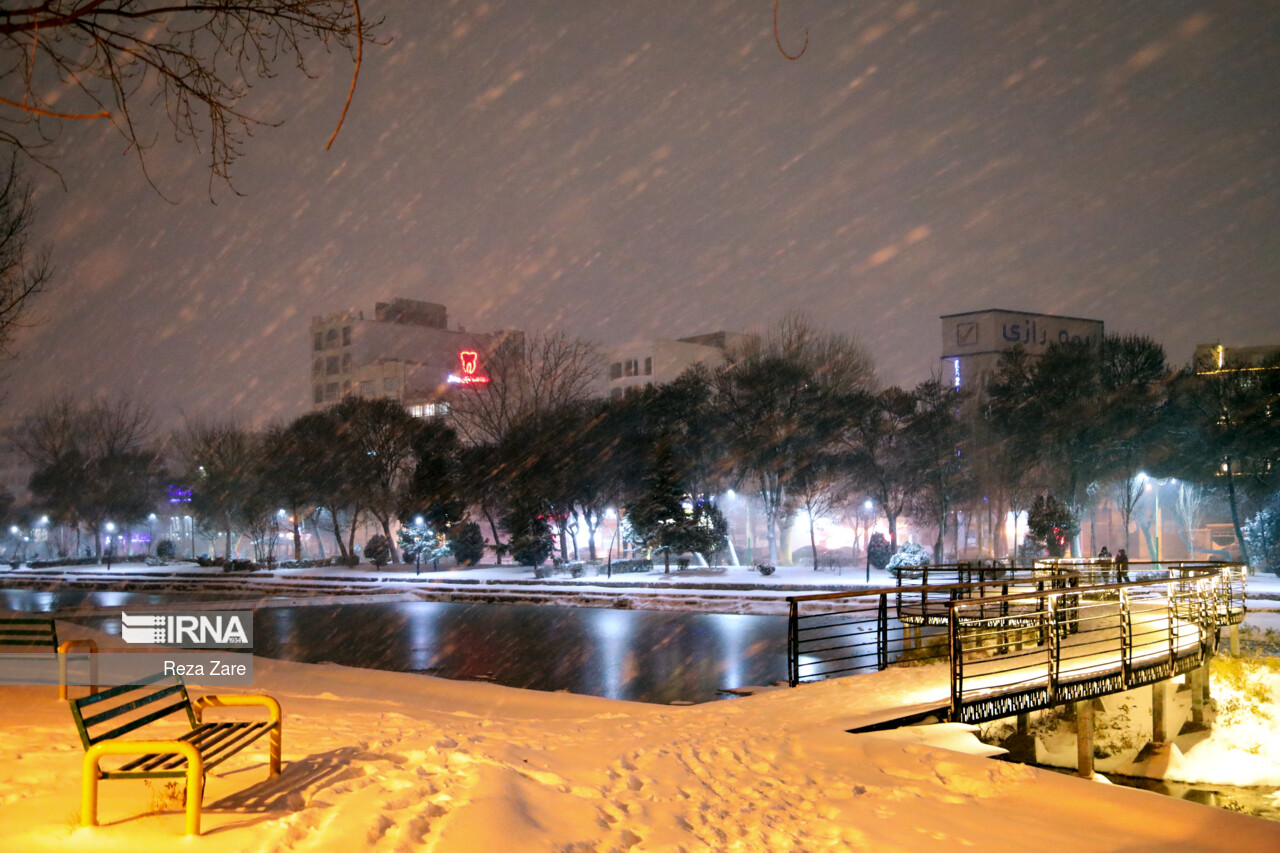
(469, 359)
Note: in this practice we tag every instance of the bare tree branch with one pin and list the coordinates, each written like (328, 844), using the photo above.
(197, 58)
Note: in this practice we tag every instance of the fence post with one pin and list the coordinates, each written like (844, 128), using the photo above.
(1126, 639)
(1055, 646)
(957, 663)
(882, 632)
(793, 642)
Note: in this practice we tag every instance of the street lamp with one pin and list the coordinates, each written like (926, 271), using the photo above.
(111, 543)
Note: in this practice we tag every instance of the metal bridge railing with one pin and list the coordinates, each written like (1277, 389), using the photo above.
(1025, 638)
(842, 633)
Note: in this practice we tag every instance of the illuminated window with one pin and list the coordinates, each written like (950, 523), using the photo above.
(429, 410)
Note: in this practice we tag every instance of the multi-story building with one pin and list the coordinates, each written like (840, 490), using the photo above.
(406, 352)
(653, 362)
(973, 342)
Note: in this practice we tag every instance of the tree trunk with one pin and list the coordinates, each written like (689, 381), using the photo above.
(591, 533)
(1235, 514)
(297, 536)
(493, 526)
(813, 542)
(386, 531)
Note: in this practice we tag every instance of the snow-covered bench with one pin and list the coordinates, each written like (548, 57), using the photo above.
(107, 720)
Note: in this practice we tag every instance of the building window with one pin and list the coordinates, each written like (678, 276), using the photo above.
(632, 367)
(615, 370)
(346, 336)
(331, 365)
(318, 341)
(391, 384)
(366, 388)
(648, 365)
(429, 410)
(317, 366)
(319, 393)
(346, 388)
(331, 339)
(331, 391)
(346, 362)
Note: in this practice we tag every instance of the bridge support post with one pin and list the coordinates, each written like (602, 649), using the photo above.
(1024, 724)
(1234, 632)
(1159, 709)
(1084, 738)
(1197, 679)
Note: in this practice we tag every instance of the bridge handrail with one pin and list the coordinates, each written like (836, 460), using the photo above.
(828, 641)
(1188, 596)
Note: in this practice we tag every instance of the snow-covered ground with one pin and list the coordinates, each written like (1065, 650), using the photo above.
(390, 761)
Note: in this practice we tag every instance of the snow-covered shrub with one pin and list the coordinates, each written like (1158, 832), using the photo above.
(166, 550)
(766, 569)
(622, 567)
(467, 543)
(879, 550)
(1262, 535)
(378, 550)
(910, 556)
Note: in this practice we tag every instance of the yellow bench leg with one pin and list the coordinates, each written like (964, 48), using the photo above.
(91, 773)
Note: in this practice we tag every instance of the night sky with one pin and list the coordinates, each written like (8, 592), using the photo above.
(625, 170)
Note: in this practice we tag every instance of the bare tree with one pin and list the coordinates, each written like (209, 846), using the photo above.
(23, 273)
(111, 60)
(528, 376)
(92, 461)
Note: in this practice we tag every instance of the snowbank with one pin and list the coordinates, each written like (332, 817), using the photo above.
(392, 761)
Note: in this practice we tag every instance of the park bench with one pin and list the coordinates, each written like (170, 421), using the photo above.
(28, 634)
(108, 719)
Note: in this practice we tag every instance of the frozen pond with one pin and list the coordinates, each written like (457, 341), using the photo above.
(639, 655)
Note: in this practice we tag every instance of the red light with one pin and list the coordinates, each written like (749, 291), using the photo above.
(469, 359)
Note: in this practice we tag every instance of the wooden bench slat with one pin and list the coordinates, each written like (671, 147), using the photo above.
(126, 707)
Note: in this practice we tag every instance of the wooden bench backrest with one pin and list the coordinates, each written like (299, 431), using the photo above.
(26, 631)
(118, 711)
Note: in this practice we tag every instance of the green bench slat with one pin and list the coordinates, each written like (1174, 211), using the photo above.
(216, 742)
(126, 707)
(138, 723)
(112, 692)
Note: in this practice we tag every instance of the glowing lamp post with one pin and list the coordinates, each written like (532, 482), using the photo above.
(111, 543)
